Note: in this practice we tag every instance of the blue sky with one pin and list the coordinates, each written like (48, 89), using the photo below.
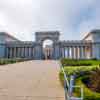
(73, 18)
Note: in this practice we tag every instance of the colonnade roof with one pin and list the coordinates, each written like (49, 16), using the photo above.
(22, 44)
(95, 31)
(77, 41)
(8, 35)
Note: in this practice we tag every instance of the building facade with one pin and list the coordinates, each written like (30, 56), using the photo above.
(87, 48)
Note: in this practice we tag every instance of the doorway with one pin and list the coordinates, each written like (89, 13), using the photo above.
(47, 49)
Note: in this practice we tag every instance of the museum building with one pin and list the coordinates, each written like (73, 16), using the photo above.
(86, 48)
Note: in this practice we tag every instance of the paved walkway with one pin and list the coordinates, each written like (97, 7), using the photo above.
(32, 80)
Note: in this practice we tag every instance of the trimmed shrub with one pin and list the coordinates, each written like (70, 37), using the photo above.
(11, 61)
(88, 94)
(82, 73)
(73, 62)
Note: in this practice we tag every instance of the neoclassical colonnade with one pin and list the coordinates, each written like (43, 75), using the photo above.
(65, 49)
(20, 52)
(87, 48)
(29, 50)
(76, 49)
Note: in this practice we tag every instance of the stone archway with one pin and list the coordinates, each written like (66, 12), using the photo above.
(53, 36)
(47, 49)
(41, 36)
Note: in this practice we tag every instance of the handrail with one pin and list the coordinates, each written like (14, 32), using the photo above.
(68, 86)
(65, 77)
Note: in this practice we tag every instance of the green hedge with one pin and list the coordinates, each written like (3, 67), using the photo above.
(70, 70)
(73, 62)
(88, 94)
(11, 61)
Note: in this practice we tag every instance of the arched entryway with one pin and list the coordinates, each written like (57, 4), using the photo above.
(47, 49)
(48, 40)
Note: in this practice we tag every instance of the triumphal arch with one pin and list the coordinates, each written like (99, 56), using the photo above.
(48, 52)
(41, 36)
(86, 48)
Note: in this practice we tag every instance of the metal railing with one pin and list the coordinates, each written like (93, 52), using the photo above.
(69, 87)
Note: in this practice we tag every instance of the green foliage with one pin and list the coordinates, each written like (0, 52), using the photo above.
(88, 94)
(11, 61)
(73, 62)
(61, 77)
(70, 70)
(82, 73)
(95, 80)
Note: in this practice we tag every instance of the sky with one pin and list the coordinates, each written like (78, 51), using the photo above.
(73, 18)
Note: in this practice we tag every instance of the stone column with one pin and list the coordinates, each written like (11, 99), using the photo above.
(57, 51)
(68, 53)
(80, 52)
(25, 52)
(22, 52)
(29, 52)
(83, 52)
(94, 51)
(86, 52)
(14, 52)
(32, 52)
(7, 52)
(2, 49)
(63, 52)
(91, 52)
(75, 52)
(38, 51)
(72, 52)
(84, 56)
(10, 52)
(19, 52)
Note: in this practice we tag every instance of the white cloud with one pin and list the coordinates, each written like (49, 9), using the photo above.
(23, 17)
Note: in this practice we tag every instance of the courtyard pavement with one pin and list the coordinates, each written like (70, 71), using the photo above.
(31, 80)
